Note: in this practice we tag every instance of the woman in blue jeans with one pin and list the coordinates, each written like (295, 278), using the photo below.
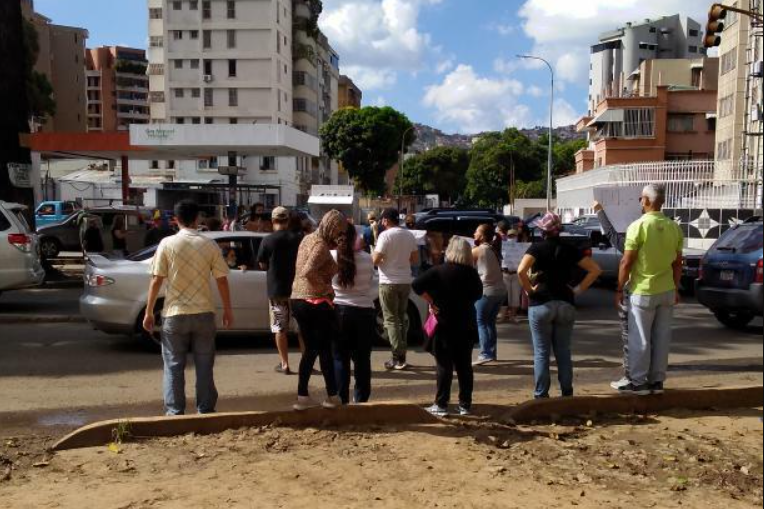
(487, 256)
(546, 273)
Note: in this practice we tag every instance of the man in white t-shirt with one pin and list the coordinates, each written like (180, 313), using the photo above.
(395, 253)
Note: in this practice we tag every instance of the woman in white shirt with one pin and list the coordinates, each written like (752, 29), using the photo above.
(357, 316)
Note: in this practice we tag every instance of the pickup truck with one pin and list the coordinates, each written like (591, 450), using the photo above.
(54, 212)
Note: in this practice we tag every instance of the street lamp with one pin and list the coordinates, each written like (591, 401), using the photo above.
(551, 129)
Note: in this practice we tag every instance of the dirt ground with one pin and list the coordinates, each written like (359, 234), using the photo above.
(682, 459)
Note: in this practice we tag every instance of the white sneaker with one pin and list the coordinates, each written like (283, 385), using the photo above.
(304, 403)
(438, 411)
(482, 362)
(620, 384)
(332, 403)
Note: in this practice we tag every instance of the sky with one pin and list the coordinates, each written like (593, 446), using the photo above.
(450, 64)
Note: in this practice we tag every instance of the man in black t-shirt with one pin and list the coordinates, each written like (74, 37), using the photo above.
(278, 255)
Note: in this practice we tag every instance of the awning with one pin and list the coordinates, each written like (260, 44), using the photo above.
(608, 116)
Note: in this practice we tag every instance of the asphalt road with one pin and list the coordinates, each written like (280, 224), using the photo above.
(64, 375)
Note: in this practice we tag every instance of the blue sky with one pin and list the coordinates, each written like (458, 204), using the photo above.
(447, 63)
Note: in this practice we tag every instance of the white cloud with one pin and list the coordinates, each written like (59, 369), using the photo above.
(471, 103)
(535, 91)
(444, 66)
(376, 39)
(562, 32)
(564, 114)
(505, 66)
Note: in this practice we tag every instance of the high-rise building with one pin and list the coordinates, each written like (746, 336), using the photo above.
(117, 88)
(62, 61)
(740, 116)
(350, 95)
(619, 53)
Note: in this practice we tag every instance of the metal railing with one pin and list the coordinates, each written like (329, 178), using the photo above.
(689, 184)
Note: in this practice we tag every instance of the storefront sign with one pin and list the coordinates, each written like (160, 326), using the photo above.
(157, 133)
(20, 175)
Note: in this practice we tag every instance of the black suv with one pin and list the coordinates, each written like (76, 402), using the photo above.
(731, 282)
(462, 222)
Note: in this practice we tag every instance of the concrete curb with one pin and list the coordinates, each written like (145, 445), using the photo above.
(553, 409)
(25, 319)
(100, 433)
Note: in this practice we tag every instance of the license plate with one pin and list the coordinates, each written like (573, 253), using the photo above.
(727, 275)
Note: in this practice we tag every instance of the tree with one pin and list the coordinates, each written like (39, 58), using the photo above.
(441, 171)
(494, 156)
(14, 119)
(563, 154)
(38, 87)
(367, 142)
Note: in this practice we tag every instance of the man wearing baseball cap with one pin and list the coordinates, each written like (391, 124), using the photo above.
(278, 255)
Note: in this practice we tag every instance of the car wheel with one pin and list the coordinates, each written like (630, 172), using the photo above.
(152, 340)
(415, 336)
(50, 248)
(739, 320)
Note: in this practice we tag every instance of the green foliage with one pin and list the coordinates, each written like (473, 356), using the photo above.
(367, 141)
(527, 190)
(127, 66)
(39, 89)
(441, 171)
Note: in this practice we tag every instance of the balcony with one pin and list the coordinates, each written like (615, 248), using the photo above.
(134, 114)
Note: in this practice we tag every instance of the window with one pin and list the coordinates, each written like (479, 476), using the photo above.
(156, 69)
(194, 63)
(231, 9)
(177, 5)
(170, 165)
(728, 62)
(694, 32)
(207, 39)
(179, 93)
(726, 106)
(178, 64)
(639, 123)
(680, 123)
(278, 42)
(653, 30)
(233, 97)
(233, 120)
(232, 68)
(231, 38)
(180, 120)
(155, 13)
(268, 164)
(208, 98)
(194, 34)
(724, 150)
(177, 35)
(208, 67)
(206, 9)
(193, 5)
(156, 41)
(209, 120)
(696, 78)
(692, 49)
(154, 165)
(196, 120)
(196, 93)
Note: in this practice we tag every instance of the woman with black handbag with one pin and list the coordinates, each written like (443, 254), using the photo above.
(451, 290)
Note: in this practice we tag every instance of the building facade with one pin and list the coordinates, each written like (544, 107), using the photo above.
(117, 88)
(62, 61)
(350, 96)
(619, 53)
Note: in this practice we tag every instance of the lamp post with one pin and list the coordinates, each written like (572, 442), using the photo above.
(551, 130)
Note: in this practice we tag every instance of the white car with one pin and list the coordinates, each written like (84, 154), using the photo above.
(116, 291)
(19, 260)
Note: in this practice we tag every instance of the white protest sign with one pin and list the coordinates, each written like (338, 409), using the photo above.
(621, 205)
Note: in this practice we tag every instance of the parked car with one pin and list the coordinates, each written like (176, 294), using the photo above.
(732, 275)
(589, 222)
(54, 212)
(462, 222)
(116, 291)
(66, 236)
(19, 260)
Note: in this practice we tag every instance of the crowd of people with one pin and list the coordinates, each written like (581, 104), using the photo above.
(323, 278)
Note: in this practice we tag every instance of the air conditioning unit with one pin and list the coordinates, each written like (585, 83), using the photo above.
(208, 78)
(758, 69)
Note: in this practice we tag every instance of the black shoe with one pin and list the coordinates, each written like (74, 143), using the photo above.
(657, 388)
(282, 370)
(635, 390)
(390, 365)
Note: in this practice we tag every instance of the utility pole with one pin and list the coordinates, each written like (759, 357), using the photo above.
(15, 117)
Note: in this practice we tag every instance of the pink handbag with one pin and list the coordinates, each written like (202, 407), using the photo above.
(431, 325)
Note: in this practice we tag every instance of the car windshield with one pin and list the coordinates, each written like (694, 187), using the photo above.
(744, 239)
(143, 254)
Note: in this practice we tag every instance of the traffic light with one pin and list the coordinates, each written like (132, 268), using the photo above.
(714, 26)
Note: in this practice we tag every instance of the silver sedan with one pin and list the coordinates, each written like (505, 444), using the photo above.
(116, 291)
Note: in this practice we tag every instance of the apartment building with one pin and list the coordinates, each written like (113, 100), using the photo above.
(740, 111)
(117, 88)
(350, 96)
(668, 113)
(62, 61)
(619, 53)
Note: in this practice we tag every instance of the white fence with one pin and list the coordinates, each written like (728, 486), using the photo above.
(689, 184)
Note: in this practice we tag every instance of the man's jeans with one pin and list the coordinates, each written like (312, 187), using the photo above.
(357, 331)
(394, 300)
(552, 330)
(488, 309)
(650, 322)
(180, 335)
(623, 315)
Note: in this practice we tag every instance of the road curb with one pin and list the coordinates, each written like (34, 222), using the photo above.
(554, 409)
(31, 319)
(101, 433)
